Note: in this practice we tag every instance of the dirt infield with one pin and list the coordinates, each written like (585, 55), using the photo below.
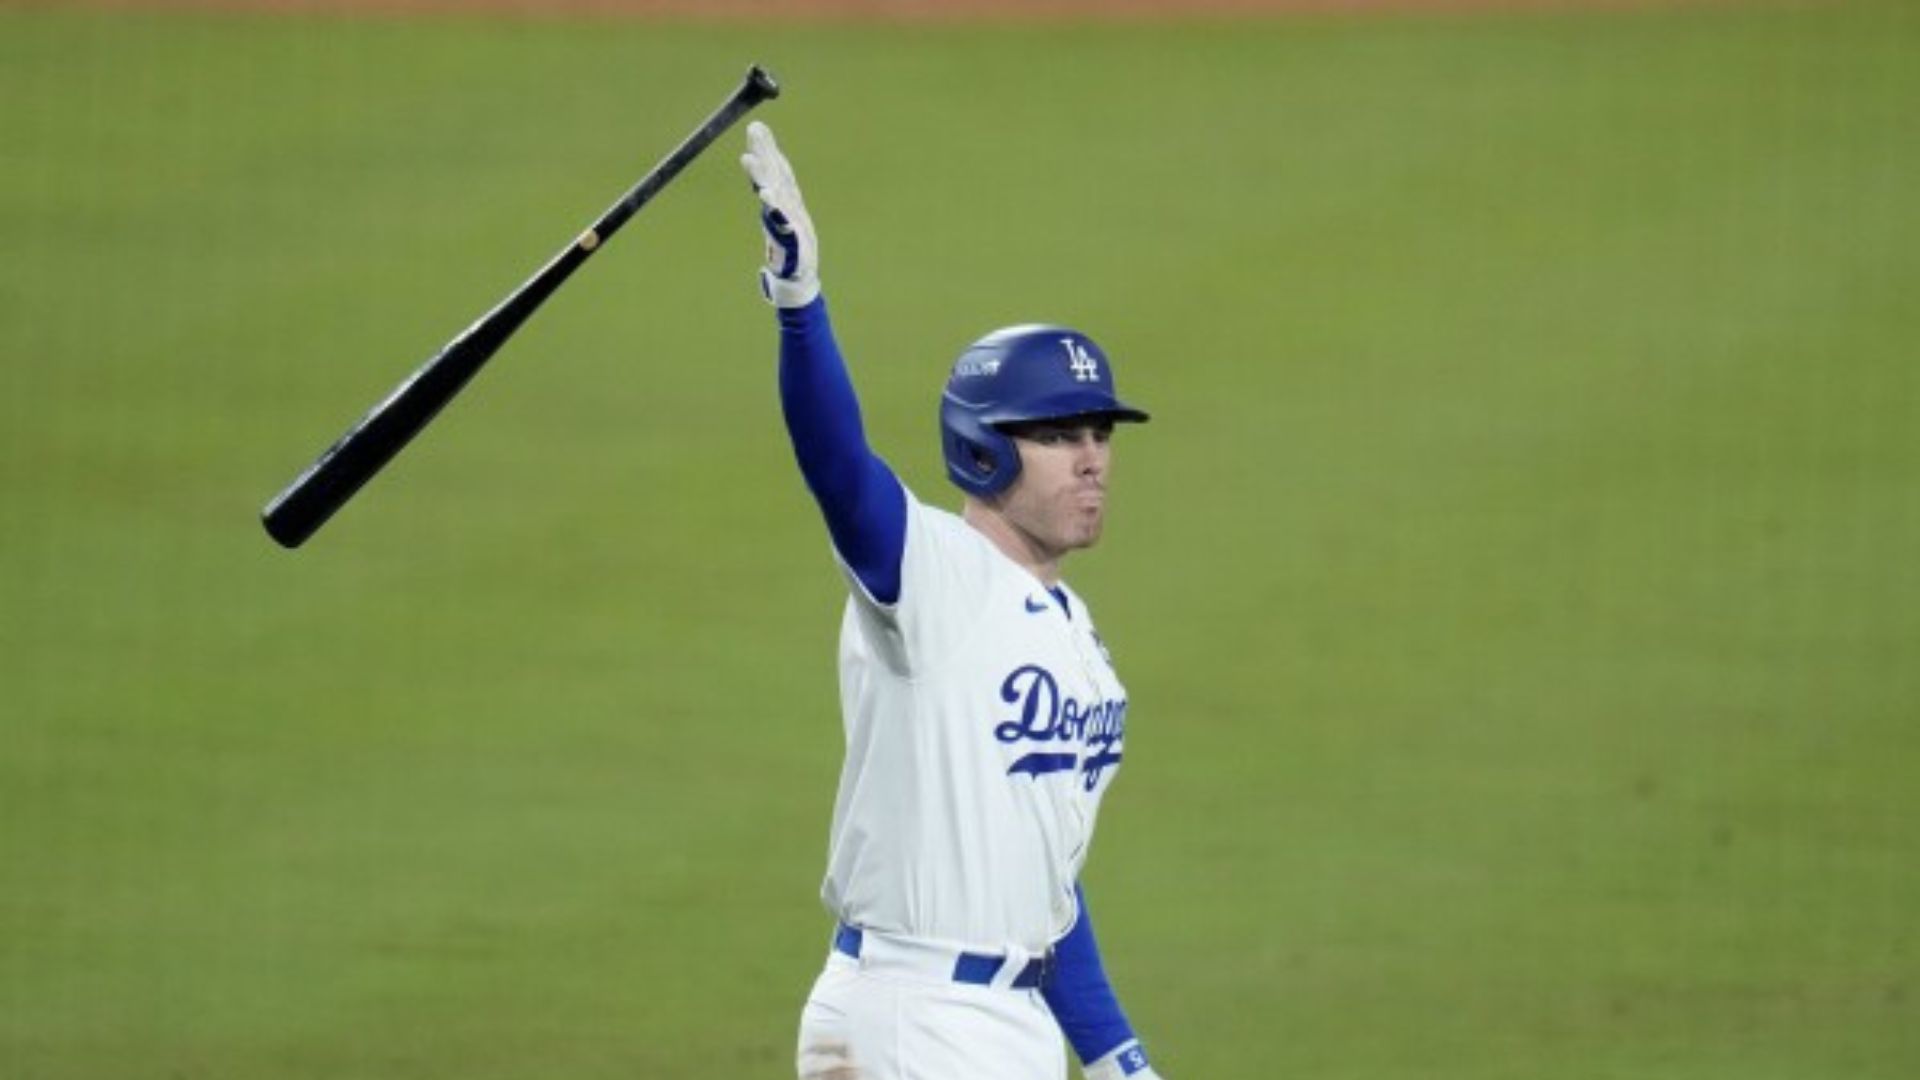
(893, 10)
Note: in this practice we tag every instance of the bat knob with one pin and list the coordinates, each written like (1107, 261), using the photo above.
(761, 85)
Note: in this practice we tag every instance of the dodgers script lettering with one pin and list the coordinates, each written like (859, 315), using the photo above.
(1043, 715)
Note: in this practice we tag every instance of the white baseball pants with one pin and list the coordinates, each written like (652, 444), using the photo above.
(890, 1015)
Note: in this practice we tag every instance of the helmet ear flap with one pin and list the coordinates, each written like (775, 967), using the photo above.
(980, 460)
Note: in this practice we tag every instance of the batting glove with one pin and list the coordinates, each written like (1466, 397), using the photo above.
(791, 277)
(1128, 1061)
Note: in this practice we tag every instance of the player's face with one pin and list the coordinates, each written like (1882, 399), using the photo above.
(1059, 500)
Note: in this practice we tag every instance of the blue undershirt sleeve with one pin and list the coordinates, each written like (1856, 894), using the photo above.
(1079, 994)
(862, 500)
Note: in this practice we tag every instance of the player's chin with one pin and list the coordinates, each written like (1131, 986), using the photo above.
(1084, 530)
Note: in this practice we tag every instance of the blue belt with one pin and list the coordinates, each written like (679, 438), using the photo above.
(975, 969)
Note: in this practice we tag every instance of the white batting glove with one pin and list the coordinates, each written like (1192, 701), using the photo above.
(791, 277)
(1128, 1061)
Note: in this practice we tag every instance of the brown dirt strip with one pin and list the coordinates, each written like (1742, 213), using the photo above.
(886, 10)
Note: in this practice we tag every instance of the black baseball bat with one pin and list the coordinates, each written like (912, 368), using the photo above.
(304, 505)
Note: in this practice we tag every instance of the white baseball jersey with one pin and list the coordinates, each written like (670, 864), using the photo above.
(984, 722)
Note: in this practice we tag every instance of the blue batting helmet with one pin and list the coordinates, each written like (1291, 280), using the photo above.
(1017, 374)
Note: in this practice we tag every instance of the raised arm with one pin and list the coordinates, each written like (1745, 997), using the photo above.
(863, 503)
(1086, 1009)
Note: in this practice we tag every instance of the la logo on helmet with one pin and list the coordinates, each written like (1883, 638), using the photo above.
(1085, 368)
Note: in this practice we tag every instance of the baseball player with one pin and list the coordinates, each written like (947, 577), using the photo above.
(983, 718)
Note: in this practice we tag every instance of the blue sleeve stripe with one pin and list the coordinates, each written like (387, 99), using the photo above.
(1079, 994)
(862, 501)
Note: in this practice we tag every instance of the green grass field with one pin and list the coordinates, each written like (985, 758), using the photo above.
(1517, 588)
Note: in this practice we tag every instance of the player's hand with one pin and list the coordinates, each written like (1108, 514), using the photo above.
(1127, 1062)
(791, 277)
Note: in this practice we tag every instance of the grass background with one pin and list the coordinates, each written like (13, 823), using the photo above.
(1517, 588)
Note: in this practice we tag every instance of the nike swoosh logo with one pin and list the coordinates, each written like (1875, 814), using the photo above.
(1035, 607)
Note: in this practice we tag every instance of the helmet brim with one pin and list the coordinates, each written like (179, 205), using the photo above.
(1067, 406)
